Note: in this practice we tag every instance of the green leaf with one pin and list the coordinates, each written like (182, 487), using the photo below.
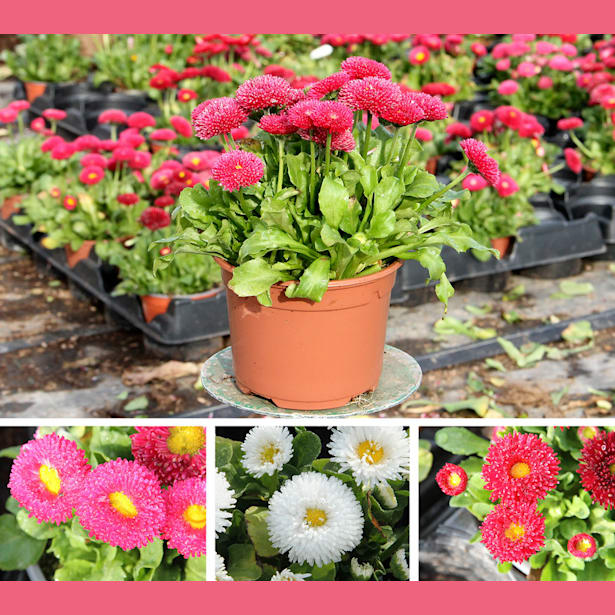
(242, 564)
(150, 558)
(569, 288)
(31, 526)
(17, 549)
(333, 201)
(224, 452)
(138, 403)
(255, 277)
(425, 463)
(196, 568)
(461, 441)
(424, 185)
(11, 452)
(306, 448)
(313, 282)
(256, 524)
(504, 567)
(444, 290)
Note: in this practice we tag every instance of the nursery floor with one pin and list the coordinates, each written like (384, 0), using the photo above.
(59, 357)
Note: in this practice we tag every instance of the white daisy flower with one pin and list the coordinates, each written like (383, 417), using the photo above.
(315, 519)
(372, 454)
(221, 573)
(266, 449)
(288, 575)
(225, 500)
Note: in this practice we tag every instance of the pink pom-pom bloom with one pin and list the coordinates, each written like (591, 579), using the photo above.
(328, 85)
(545, 83)
(438, 88)
(573, 160)
(48, 144)
(200, 161)
(70, 202)
(8, 115)
(597, 469)
(373, 94)
(121, 503)
(140, 120)
(277, 124)
(216, 117)
(238, 169)
(452, 479)
(54, 114)
(561, 63)
(185, 526)
(507, 186)
(63, 151)
(480, 161)
(38, 124)
(433, 107)
(513, 534)
(520, 468)
(503, 65)
(333, 116)
(508, 87)
(86, 142)
(418, 55)
(164, 201)
(112, 116)
(131, 137)
(569, 123)
(423, 134)
(128, 198)
(474, 183)
(155, 218)
(181, 125)
(582, 546)
(457, 129)
(509, 116)
(360, 68)
(91, 175)
(482, 121)
(163, 134)
(46, 477)
(19, 105)
(239, 133)
(478, 49)
(404, 111)
(186, 95)
(528, 69)
(264, 92)
(173, 453)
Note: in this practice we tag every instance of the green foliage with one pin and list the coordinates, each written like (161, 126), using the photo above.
(246, 547)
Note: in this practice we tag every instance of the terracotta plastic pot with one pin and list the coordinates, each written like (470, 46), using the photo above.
(10, 206)
(74, 256)
(155, 304)
(305, 355)
(502, 245)
(34, 89)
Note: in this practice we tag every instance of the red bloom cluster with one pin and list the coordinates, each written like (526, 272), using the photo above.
(217, 116)
(582, 546)
(155, 218)
(372, 94)
(597, 469)
(480, 161)
(238, 169)
(360, 68)
(264, 92)
(452, 479)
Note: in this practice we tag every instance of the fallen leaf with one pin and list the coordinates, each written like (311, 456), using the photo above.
(171, 370)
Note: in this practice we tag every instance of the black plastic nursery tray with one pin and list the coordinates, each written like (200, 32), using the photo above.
(550, 249)
(186, 321)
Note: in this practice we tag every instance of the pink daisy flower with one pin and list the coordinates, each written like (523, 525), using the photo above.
(91, 175)
(333, 116)
(46, 477)
(360, 68)
(423, 134)
(569, 123)
(201, 160)
(300, 114)
(185, 525)
(520, 468)
(507, 186)
(277, 124)
(128, 198)
(140, 160)
(121, 503)
(140, 120)
(238, 169)
(452, 479)
(131, 137)
(404, 111)
(582, 546)
(473, 182)
(418, 55)
(545, 83)
(508, 87)
(163, 134)
(8, 115)
(513, 534)
(112, 116)
(597, 469)
(181, 125)
(457, 129)
(263, 92)
(509, 116)
(373, 94)
(432, 106)
(155, 218)
(216, 117)
(328, 85)
(480, 161)
(573, 160)
(438, 88)
(173, 453)
(482, 121)
(54, 114)
(63, 151)
(186, 95)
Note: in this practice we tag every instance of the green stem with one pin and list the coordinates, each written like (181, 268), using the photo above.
(280, 163)
(580, 145)
(328, 154)
(367, 212)
(368, 134)
(233, 144)
(244, 206)
(312, 176)
(446, 188)
(403, 161)
(393, 146)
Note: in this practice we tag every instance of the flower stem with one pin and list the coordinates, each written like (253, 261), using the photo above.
(328, 154)
(312, 175)
(230, 136)
(580, 145)
(368, 134)
(367, 212)
(403, 160)
(393, 146)
(280, 163)
(446, 188)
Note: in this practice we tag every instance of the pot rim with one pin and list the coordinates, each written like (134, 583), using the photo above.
(202, 295)
(346, 283)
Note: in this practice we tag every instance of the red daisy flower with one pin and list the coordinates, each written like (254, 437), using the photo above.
(478, 49)
(333, 116)
(181, 125)
(165, 251)
(457, 129)
(513, 534)
(238, 169)
(277, 124)
(360, 68)
(122, 153)
(155, 218)
(299, 83)
(329, 84)
(164, 201)
(373, 94)
(582, 546)
(46, 477)
(239, 133)
(131, 137)
(573, 160)
(530, 127)
(112, 116)
(19, 105)
(418, 55)
(140, 120)
(300, 114)
(8, 115)
(423, 134)
(86, 142)
(186, 95)
(404, 111)
(438, 88)
(91, 175)
(509, 116)
(264, 92)
(545, 83)
(48, 144)
(128, 198)
(508, 87)
(216, 117)
(473, 182)
(54, 114)
(452, 479)
(432, 106)
(520, 468)
(173, 453)
(279, 71)
(216, 73)
(341, 141)
(93, 159)
(140, 160)
(597, 469)
(480, 161)
(38, 124)
(163, 134)
(201, 160)
(506, 186)
(569, 123)
(69, 202)
(63, 151)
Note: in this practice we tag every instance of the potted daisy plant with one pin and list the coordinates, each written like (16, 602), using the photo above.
(310, 221)
(108, 504)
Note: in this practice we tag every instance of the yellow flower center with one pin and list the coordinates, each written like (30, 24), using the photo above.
(370, 452)
(195, 161)
(185, 440)
(612, 468)
(589, 433)
(504, 184)
(92, 176)
(123, 504)
(133, 57)
(454, 480)
(195, 515)
(584, 545)
(238, 166)
(420, 56)
(515, 532)
(482, 118)
(182, 174)
(520, 469)
(269, 452)
(315, 517)
(50, 478)
(513, 114)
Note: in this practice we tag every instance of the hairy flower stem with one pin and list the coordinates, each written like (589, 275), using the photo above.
(367, 212)
(403, 161)
(328, 154)
(312, 176)
(393, 146)
(446, 188)
(368, 133)
(233, 144)
(280, 163)
(580, 145)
